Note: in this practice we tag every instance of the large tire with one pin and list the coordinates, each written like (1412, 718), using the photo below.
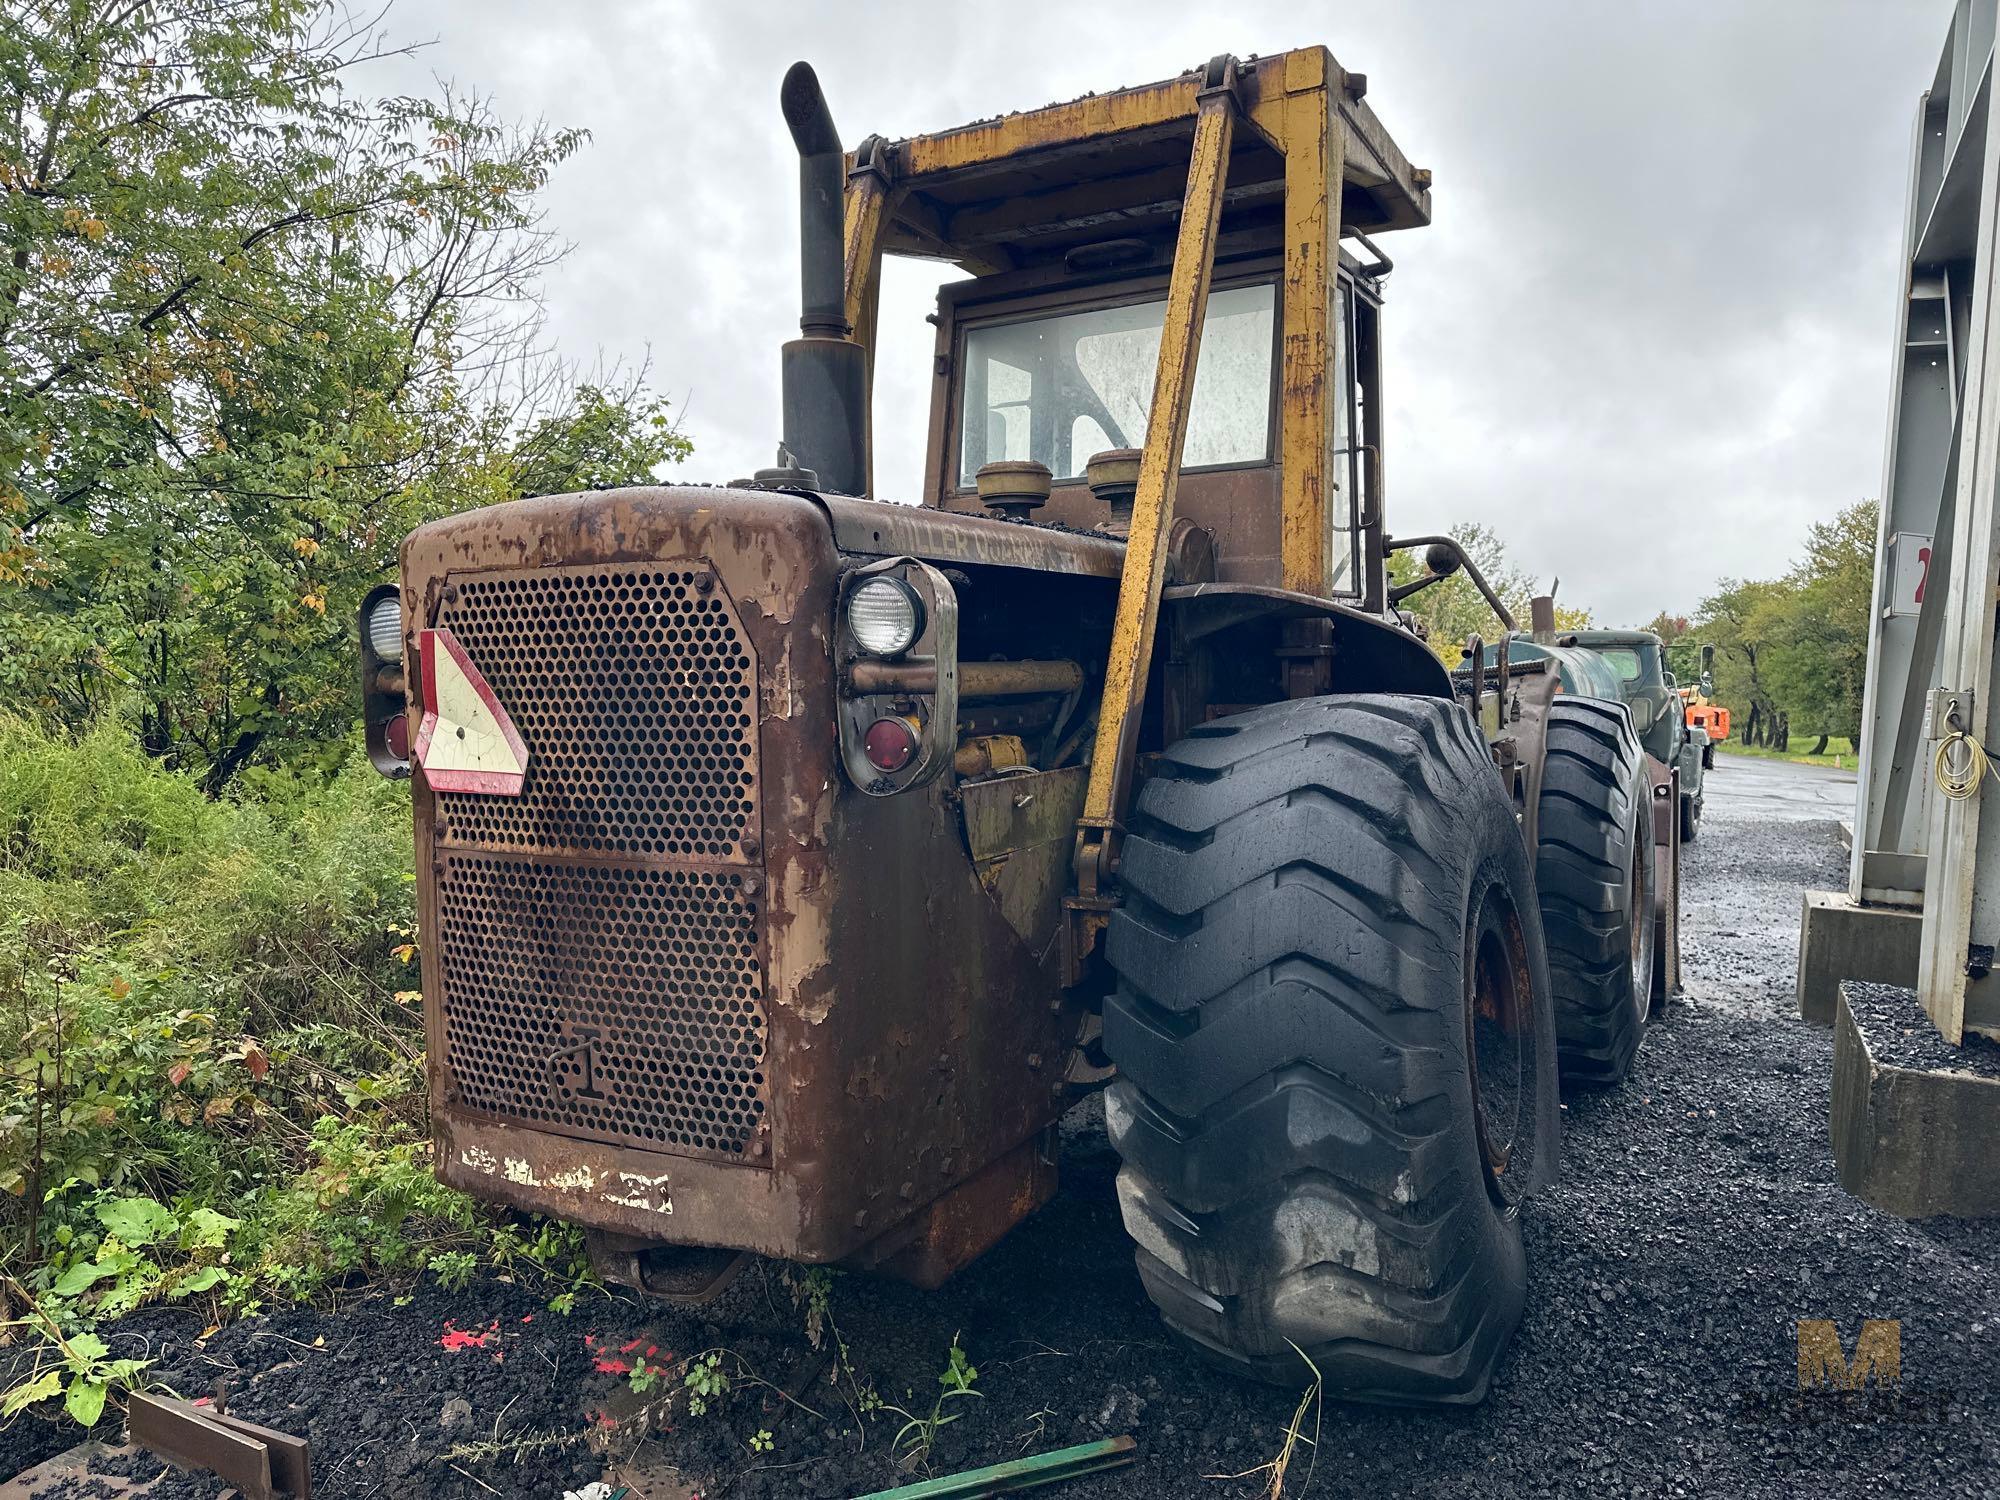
(1594, 872)
(1328, 916)
(1690, 818)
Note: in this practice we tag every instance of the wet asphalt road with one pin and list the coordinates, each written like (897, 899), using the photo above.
(1770, 831)
(1747, 787)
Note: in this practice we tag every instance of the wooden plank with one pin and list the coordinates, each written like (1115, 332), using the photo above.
(183, 1433)
(291, 1457)
(70, 1473)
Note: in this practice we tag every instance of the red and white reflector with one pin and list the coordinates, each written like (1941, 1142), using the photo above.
(466, 742)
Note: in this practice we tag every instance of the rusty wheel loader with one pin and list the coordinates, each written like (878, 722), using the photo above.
(790, 861)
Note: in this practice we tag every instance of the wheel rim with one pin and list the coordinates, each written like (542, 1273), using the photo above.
(1500, 1045)
(1642, 912)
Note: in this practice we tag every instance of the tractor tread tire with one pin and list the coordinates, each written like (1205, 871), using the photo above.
(1292, 1105)
(1594, 771)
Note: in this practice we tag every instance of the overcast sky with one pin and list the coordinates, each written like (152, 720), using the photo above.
(1646, 337)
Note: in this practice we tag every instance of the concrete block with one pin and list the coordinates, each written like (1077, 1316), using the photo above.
(1915, 1121)
(1841, 939)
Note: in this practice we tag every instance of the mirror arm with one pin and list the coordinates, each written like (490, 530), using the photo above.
(1402, 544)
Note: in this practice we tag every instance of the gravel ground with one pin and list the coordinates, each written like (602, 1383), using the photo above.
(1899, 1035)
(1696, 1219)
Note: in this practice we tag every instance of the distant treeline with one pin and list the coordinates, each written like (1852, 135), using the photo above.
(1791, 653)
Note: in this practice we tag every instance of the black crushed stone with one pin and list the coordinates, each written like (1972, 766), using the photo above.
(1899, 1034)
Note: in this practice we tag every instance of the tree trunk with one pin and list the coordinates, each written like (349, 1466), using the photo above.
(237, 755)
(1820, 748)
(232, 760)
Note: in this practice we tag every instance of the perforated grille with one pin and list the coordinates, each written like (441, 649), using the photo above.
(634, 690)
(620, 1004)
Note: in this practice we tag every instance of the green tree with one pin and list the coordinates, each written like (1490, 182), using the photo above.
(1794, 651)
(1669, 627)
(1821, 658)
(1745, 621)
(252, 330)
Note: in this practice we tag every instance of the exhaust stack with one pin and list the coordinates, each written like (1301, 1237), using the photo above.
(1542, 619)
(825, 372)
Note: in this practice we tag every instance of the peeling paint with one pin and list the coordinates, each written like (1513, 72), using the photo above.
(648, 1194)
(783, 697)
(630, 1190)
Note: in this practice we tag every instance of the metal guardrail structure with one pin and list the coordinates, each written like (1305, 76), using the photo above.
(1931, 639)
(1922, 907)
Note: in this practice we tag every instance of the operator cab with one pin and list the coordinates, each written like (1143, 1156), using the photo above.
(1060, 373)
(1624, 664)
(1066, 219)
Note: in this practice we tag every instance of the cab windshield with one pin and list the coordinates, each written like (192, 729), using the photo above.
(1058, 389)
(1624, 661)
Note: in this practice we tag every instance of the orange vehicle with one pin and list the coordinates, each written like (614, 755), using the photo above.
(1712, 717)
(1703, 712)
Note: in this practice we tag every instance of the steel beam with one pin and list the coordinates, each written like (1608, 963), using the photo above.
(1315, 154)
(865, 216)
(1938, 547)
(1135, 623)
(1962, 885)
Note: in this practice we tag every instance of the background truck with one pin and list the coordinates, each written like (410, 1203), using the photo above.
(1639, 678)
(791, 861)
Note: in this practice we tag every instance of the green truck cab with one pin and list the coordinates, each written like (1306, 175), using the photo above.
(1630, 665)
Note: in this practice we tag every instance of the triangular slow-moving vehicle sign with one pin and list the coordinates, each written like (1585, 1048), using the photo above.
(466, 742)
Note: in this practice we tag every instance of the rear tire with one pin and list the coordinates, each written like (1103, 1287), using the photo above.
(1690, 818)
(1337, 1071)
(1594, 874)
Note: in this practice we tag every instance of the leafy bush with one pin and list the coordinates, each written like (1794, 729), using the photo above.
(183, 982)
(211, 1042)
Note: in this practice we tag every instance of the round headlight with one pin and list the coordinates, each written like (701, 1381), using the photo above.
(385, 628)
(885, 616)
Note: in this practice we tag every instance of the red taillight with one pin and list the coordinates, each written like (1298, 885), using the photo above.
(889, 744)
(396, 735)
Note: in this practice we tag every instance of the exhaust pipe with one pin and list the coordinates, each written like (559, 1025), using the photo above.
(825, 373)
(1542, 619)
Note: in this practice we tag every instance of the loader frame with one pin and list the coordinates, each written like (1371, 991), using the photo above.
(1309, 112)
(876, 1097)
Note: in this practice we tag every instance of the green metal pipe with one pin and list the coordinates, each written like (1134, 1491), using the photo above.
(1018, 1474)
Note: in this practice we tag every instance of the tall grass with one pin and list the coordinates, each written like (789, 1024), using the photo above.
(211, 1006)
(103, 850)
